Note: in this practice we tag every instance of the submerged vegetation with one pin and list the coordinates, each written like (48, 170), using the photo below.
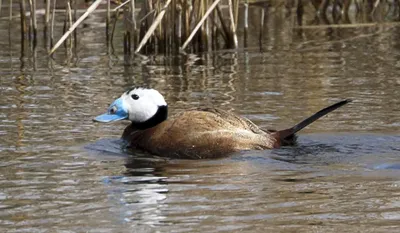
(172, 26)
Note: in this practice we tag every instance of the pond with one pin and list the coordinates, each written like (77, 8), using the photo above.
(61, 172)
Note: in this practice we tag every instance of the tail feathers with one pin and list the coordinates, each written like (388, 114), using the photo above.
(285, 134)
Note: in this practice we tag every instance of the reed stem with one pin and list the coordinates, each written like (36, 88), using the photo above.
(34, 21)
(10, 19)
(225, 28)
(108, 20)
(53, 16)
(246, 22)
(69, 12)
(22, 23)
(123, 4)
(262, 17)
(152, 27)
(134, 25)
(215, 3)
(233, 26)
(113, 28)
(47, 14)
(72, 28)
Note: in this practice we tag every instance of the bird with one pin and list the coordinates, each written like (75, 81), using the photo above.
(195, 133)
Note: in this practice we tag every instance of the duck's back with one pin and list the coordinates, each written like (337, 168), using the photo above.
(200, 133)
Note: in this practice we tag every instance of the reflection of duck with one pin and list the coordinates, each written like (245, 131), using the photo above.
(197, 133)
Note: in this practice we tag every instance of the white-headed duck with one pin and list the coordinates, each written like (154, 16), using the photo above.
(203, 133)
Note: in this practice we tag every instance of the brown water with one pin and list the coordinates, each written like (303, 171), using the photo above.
(60, 172)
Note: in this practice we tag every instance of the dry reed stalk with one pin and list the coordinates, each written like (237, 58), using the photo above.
(233, 26)
(208, 32)
(65, 25)
(23, 31)
(299, 15)
(160, 28)
(376, 4)
(345, 10)
(153, 27)
(215, 3)
(46, 22)
(262, 25)
(108, 19)
(53, 15)
(47, 13)
(34, 20)
(30, 26)
(147, 15)
(134, 25)
(127, 31)
(236, 11)
(69, 12)
(72, 28)
(75, 36)
(9, 26)
(225, 29)
(335, 15)
(133, 7)
(114, 26)
(187, 9)
(172, 30)
(122, 4)
(127, 45)
(214, 31)
(23, 22)
(246, 22)
(179, 27)
(322, 8)
(0, 5)
(200, 13)
(148, 21)
(10, 15)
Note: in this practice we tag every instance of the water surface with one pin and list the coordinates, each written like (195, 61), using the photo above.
(59, 171)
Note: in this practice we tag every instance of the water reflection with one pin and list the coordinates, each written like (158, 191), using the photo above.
(292, 187)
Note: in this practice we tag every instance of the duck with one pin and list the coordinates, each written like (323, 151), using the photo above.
(196, 133)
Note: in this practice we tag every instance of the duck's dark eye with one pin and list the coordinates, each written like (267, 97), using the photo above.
(113, 110)
(135, 97)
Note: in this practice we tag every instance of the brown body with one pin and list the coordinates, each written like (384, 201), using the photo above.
(212, 133)
(201, 134)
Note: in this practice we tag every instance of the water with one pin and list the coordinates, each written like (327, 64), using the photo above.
(60, 172)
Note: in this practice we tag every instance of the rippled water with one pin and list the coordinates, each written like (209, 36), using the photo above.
(59, 171)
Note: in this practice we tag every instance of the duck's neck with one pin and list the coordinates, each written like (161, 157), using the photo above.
(134, 127)
(160, 116)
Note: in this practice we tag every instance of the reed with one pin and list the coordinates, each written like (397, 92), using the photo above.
(10, 15)
(246, 23)
(108, 22)
(72, 28)
(22, 8)
(53, 16)
(172, 26)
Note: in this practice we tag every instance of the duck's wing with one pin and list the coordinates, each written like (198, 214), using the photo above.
(233, 119)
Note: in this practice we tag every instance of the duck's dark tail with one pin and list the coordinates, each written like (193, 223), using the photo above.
(287, 134)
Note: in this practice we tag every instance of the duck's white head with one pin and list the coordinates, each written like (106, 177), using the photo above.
(139, 105)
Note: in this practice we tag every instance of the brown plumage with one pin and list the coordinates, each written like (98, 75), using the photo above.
(211, 133)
